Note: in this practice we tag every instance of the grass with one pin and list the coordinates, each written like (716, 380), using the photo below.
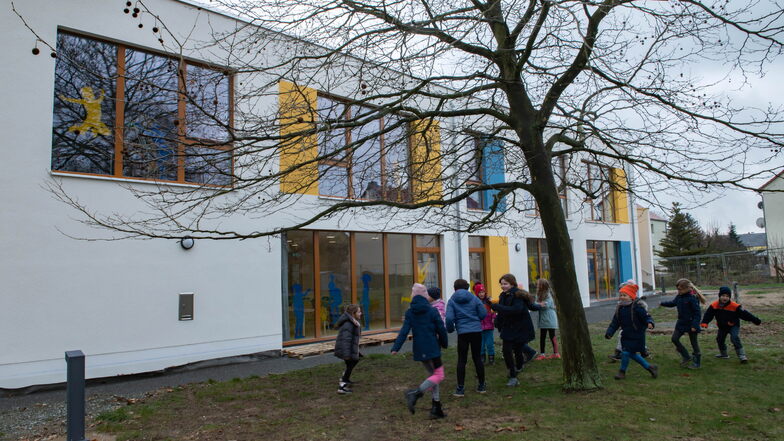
(722, 401)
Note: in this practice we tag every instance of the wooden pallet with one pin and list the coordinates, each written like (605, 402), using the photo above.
(309, 350)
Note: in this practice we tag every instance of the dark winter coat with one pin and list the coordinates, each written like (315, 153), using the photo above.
(425, 323)
(464, 312)
(688, 311)
(728, 315)
(633, 320)
(347, 343)
(514, 322)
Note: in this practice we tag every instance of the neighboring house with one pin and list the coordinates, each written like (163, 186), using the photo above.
(773, 214)
(658, 232)
(144, 305)
(644, 225)
(754, 241)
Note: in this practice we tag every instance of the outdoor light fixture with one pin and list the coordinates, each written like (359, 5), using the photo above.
(187, 242)
(518, 247)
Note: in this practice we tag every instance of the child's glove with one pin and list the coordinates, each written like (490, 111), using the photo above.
(758, 322)
(607, 336)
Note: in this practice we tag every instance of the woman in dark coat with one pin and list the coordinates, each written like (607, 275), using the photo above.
(515, 325)
(633, 320)
(347, 344)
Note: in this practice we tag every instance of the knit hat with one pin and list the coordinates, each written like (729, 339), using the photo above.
(630, 290)
(434, 292)
(725, 290)
(478, 287)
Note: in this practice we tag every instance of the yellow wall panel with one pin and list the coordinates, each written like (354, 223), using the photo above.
(426, 160)
(298, 149)
(497, 263)
(620, 197)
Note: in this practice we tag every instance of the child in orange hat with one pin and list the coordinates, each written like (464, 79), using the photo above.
(632, 319)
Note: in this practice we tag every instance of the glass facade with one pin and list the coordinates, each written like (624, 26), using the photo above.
(476, 261)
(538, 262)
(369, 271)
(602, 269)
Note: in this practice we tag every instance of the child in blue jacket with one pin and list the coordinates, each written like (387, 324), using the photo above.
(465, 313)
(728, 315)
(688, 303)
(430, 336)
(633, 320)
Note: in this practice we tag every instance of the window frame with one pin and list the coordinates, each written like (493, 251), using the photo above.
(477, 172)
(348, 163)
(183, 140)
(605, 196)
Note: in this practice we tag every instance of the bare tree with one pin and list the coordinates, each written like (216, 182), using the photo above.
(551, 85)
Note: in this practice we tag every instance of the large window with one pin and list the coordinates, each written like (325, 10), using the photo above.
(486, 167)
(365, 157)
(600, 201)
(476, 260)
(125, 112)
(326, 270)
(538, 262)
(530, 206)
(602, 269)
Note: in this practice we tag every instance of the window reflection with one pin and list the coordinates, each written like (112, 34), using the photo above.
(301, 300)
(335, 278)
(369, 270)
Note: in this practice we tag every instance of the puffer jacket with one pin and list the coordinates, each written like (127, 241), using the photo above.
(347, 342)
(514, 322)
(425, 323)
(689, 313)
(633, 320)
(441, 308)
(728, 315)
(464, 312)
(548, 319)
(488, 323)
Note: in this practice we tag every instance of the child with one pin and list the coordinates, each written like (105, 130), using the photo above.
(618, 347)
(688, 303)
(488, 328)
(425, 323)
(434, 295)
(515, 326)
(464, 313)
(632, 318)
(728, 316)
(347, 344)
(548, 320)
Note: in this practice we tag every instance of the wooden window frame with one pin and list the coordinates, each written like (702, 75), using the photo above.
(182, 140)
(347, 164)
(483, 252)
(479, 173)
(606, 197)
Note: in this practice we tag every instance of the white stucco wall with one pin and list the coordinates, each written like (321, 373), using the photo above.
(774, 213)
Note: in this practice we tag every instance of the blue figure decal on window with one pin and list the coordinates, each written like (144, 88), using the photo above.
(299, 309)
(335, 300)
(366, 278)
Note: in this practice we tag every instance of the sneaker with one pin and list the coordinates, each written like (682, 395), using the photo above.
(620, 375)
(459, 391)
(654, 370)
(513, 382)
(541, 357)
(555, 356)
(532, 357)
(344, 389)
(743, 359)
(723, 356)
(482, 388)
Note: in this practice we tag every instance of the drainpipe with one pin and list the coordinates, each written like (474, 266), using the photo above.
(633, 217)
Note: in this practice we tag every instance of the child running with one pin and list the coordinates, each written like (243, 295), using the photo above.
(464, 314)
(548, 319)
(424, 322)
(728, 315)
(633, 319)
(515, 326)
(488, 325)
(347, 344)
(688, 303)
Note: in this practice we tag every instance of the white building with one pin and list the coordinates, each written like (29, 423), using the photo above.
(773, 212)
(126, 303)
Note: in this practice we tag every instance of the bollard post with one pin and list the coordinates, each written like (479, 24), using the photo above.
(75, 395)
(735, 292)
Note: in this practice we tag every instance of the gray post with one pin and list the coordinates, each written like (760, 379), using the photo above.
(735, 292)
(75, 395)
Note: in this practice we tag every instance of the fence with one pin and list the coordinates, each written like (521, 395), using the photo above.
(743, 267)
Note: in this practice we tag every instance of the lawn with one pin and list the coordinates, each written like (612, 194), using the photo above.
(724, 400)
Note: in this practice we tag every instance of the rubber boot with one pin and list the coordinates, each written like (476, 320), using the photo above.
(411, 398)
(742, 355)
(685, 358)
(722, 354)
(620, 375)
(436, 412)
(491, 360)
(654, 370)
(695, 362)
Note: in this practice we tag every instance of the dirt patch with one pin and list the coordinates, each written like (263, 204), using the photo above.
(767, 300)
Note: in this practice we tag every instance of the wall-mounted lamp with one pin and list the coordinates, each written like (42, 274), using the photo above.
(518, 247)
(187, 242)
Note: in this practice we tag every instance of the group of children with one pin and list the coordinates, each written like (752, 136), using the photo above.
(474, 317)
(632, 317)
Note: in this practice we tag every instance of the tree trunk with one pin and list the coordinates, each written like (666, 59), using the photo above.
(579, 364)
